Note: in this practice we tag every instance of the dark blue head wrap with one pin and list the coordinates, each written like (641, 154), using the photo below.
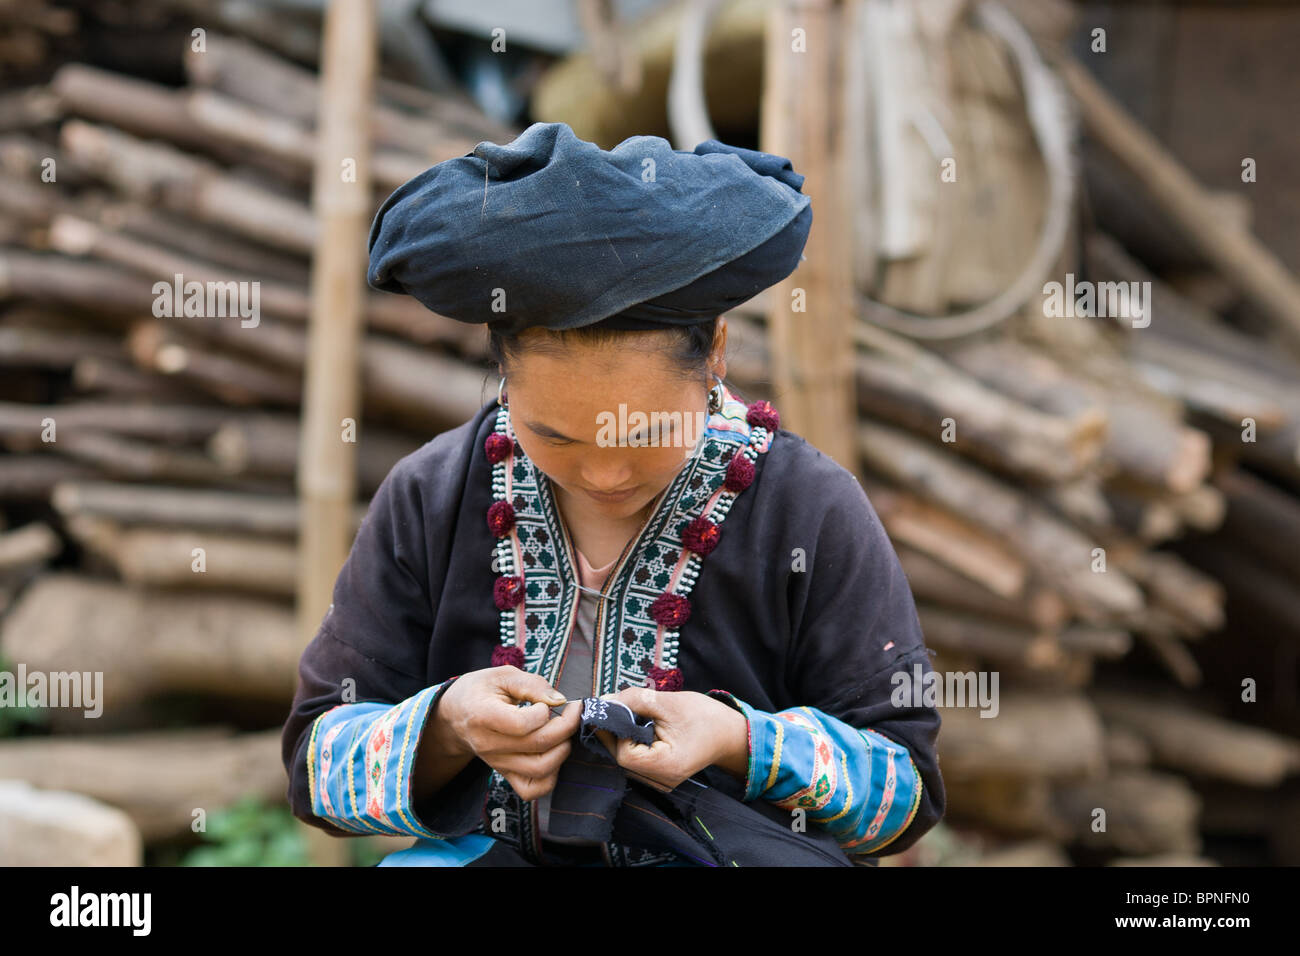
(554, 231)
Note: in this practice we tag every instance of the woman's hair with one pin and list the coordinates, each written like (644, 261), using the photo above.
(692, 345)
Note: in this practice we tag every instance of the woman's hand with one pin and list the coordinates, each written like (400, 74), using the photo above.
(480, 716)
(692, 731)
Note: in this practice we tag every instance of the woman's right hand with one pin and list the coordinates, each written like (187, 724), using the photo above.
(482, 717)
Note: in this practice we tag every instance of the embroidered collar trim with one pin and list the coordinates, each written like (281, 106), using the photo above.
(650, 586)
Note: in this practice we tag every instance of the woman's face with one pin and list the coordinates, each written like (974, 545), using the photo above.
(565, 413)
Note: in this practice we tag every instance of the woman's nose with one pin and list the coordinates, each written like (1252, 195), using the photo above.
(607, 476)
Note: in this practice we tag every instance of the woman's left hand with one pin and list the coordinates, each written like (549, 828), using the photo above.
(692, 731)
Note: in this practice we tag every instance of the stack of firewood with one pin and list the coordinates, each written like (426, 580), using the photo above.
(133, 431)
(1073, 503)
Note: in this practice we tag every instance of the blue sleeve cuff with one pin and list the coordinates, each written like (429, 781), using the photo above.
(360, 758)
(858, 783)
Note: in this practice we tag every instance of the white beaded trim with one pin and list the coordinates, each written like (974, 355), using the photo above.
(691, 569)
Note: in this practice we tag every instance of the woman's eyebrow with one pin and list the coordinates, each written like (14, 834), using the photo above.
(552, 433)
(547, 430)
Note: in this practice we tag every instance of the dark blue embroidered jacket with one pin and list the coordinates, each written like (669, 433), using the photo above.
(800, 617)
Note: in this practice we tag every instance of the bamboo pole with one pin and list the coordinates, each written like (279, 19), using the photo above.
(812, 351)
(332, 386)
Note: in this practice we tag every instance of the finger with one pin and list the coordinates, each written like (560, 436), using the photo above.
(643, 701)
(490, 740)
(533, 765)
(608, 739)
(499, 717)
(648, 781)
(530, 788)
(521, 685)
(632, 754)
(549, 734)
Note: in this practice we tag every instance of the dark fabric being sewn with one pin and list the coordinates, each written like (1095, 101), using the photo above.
(595, 799)
(590, 786)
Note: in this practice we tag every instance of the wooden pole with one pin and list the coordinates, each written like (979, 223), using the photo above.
(1240, 257)
(332, 387)
(812, 351)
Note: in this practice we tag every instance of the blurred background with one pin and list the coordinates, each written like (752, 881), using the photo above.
(1097, 497)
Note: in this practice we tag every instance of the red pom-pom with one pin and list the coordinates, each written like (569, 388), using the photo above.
(501, 518)
(701, 535)
(497, 446)
(512, 655)
(508, 591)
(661, 678)
(671, 610)
(763, 414)
(740, 473)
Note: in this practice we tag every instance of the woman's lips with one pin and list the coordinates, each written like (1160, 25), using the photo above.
(621, 496)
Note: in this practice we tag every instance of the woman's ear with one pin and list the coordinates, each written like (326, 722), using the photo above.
(718, 360)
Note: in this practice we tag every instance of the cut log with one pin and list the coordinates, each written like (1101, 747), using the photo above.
(991, 641)
(32, 545)
(56, 350)
(25, 108)
(148, 110)
(1240, 257)
(1179, 589)
(1195, 743)
(1034, 735)
(1063, 556)
(1126, 750)
(1082, 501)
(236, 381)
(245, 72)
(935, 582)
(158, 779)
(955, 542)
(127, 457)
(1105, 642)
(1011, 806)
(1145, 812)
(202, 509)
(151, 643)
(33, 477)
(114, 381)
(1000, 432)
(154, 172)
(93, 286)
(224, 128)
(1150, 520)
(182, 424)
(1143, 438)
(293, 144)
(1182, 331)
(185, 237)
(267, 445)
(190, 558)
(1158, 635)
(1264, 519)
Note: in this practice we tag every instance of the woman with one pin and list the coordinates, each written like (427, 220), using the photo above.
(617, 524)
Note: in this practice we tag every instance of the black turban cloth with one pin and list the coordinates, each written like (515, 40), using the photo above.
(572, 235)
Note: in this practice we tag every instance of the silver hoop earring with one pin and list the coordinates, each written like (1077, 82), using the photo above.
(502, 385)
(715, 397)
